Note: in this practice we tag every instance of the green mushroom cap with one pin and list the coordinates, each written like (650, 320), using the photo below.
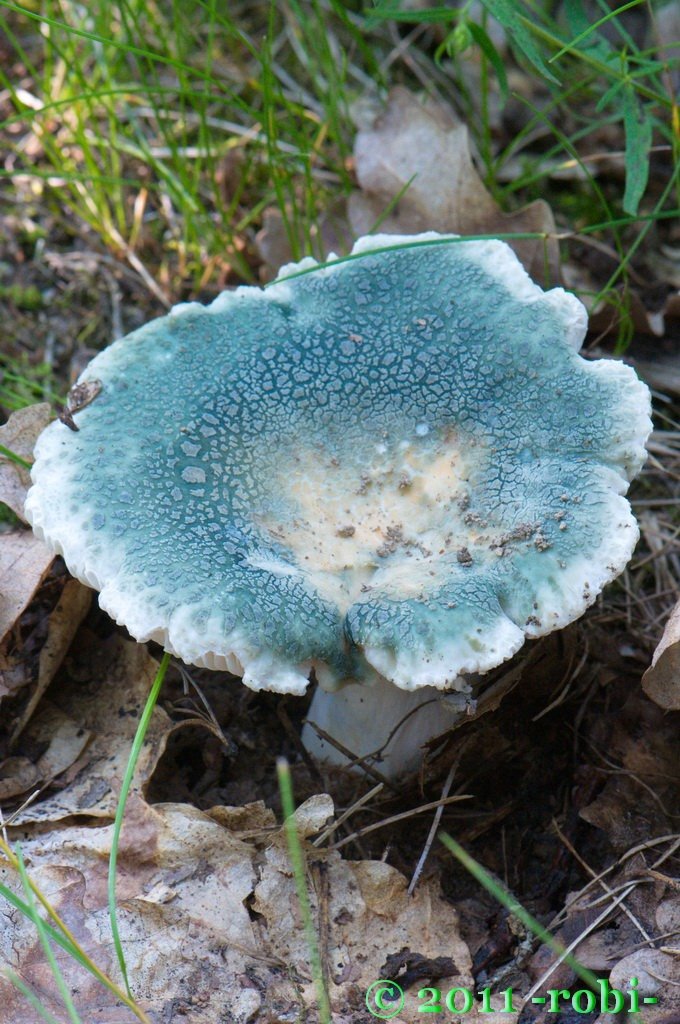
(394, 464)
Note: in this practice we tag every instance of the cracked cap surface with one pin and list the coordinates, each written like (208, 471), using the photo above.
(393, 464)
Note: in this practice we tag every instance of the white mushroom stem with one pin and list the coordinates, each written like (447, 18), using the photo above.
(363, 717)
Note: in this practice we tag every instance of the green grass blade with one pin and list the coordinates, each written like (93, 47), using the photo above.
(74, 1016)
(607, 70)
(492, 55)
(53, 933)
(419, 15)
(151, 702)
(647, 221)
(62, 936)
(587, 32)
(637, 121)
(507, 13)
(29, 995)
(297, 858)
(125, 46)
(7, 453)
(507, 900)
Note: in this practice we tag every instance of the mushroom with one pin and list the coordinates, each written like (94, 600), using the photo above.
(386, 472)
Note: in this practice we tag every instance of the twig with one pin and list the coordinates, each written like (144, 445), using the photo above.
(632, 852)
(400, 817)
(586, 867)
(335, 825)
(540, 984)
(435, 824)
(354, 761)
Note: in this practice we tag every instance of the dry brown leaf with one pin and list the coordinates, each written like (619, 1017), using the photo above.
(17, 775)
(605, 320)
(253, 818)
(653, 350)
(24, 562)
(599, 950)
(63, 623)
(367, 915)
(61, 741)
(637, 752)
(186, 953)
(106, 702)
(661, 681)
(662, 374)
(425, 144)
(606, 948)
(19, 434)
(313, 814)
(273, 241)
(658, 976)
(668, 917)
(192, 947)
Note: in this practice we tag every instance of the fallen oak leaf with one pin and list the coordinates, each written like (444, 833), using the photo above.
(366, 916)
(654, 354)
(638, 755)
(658, 980)
(17, 438)
(115, 678)
(186, 886)
(62, 739)
(72, 607)
(661, 681)
(62, 742)
(18, 775)
(24, 563)
(188, 938)
(333, 235)
(420, 152)
(247, 821)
